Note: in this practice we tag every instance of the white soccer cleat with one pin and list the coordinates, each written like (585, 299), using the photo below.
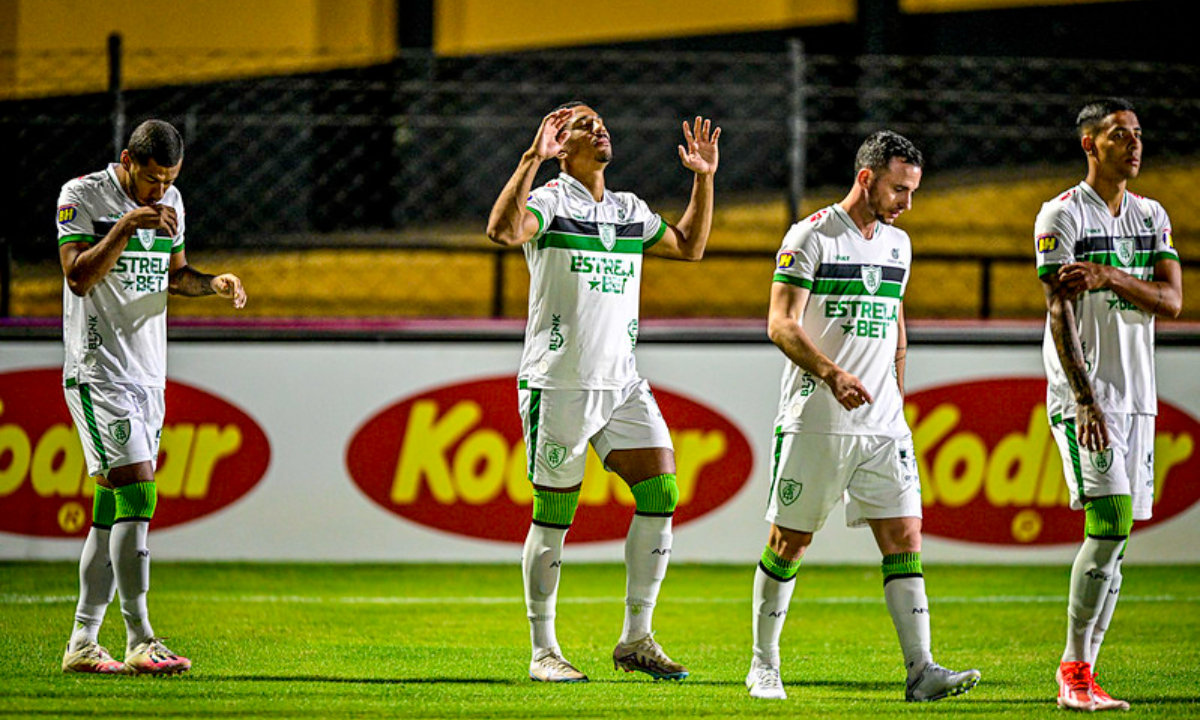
(763, 682)
(647, 656)
(91, 658)
(549, 666)
(1104, 701)
(936, 682)
(153, 658)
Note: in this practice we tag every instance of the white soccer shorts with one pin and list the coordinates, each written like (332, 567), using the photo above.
(1125, 468)
(118, 424)
(559, 424)
(875, 476)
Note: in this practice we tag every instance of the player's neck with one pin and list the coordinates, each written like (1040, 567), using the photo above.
(123, 180)
(855, 205)
(591, 178)
(1110, 189)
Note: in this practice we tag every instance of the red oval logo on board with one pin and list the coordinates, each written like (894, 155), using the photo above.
(454, 459)
(991, 471)
(210, 455)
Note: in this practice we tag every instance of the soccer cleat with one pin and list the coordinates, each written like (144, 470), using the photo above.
(1075, 686)
(764, 683)
(936, 682)
(91, 658)
(1104, 701)
(549, 666)
(647, 656)
(153, 658)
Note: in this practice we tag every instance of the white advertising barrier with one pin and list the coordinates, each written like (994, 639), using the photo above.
(413, 452)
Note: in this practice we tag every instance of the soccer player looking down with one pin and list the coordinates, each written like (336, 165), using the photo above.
(578, 382)
(121, 244)
(837, 313)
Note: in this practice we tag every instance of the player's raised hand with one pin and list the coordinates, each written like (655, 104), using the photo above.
(849, 390)
(701, 154)
(552, 134)
(228, 285)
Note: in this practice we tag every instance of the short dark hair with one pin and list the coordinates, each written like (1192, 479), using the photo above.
(877, 151)
(1094, 112)
(568, 104)
(156, 140)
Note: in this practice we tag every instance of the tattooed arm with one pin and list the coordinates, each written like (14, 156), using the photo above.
(1093, 433)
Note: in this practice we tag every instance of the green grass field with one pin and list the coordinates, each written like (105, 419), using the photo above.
(312, 641)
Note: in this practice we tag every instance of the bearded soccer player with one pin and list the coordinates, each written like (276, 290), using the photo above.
(1109, 267)
(578, 382)
(836, 313)
(121, 244)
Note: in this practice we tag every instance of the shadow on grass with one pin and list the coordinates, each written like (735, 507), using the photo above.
(358, 681)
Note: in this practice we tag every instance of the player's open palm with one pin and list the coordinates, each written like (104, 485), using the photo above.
(701, 154)
(552, 135)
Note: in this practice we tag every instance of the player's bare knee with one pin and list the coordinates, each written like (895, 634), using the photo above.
(787, 543)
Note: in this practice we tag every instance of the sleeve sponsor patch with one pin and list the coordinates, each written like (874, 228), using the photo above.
(66, 213)
(1047, 243)
(1167, 239)
(786, 261)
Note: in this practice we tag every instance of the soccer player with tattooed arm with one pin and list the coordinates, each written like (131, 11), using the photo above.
(578, 382)
(1109, 267)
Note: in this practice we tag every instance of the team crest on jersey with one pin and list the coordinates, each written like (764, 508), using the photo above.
(872, 276)
(66, 213)
(1124, 247)
(608, 235)
(1102, 461)
(145, 237)
(789, 490)
(786, 260)
(555, 454)
(119, 430)
(1047, 243)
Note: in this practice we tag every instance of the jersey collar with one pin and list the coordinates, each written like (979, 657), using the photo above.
(577, 189)
(844, 216)
(1090, 193)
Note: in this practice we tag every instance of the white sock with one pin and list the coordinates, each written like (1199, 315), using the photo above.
(131, 565)
(1106, 613)
(540, 563)
(909, 608)
(647, 553)
(96, 588)
(1091, 576)
(768, 613)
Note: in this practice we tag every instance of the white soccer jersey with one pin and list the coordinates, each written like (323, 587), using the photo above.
(856, 288)
(1117, 337)
(585, 272)
(118, 331)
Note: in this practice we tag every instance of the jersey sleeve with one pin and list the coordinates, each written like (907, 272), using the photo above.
(1055, 233)
(541, 203)
(74, 222)
(797, 260)
(1164, 244)
(653, 226)
(177, 241)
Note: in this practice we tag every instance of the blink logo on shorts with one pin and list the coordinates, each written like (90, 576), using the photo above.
(1046, 243)
(786, 260)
